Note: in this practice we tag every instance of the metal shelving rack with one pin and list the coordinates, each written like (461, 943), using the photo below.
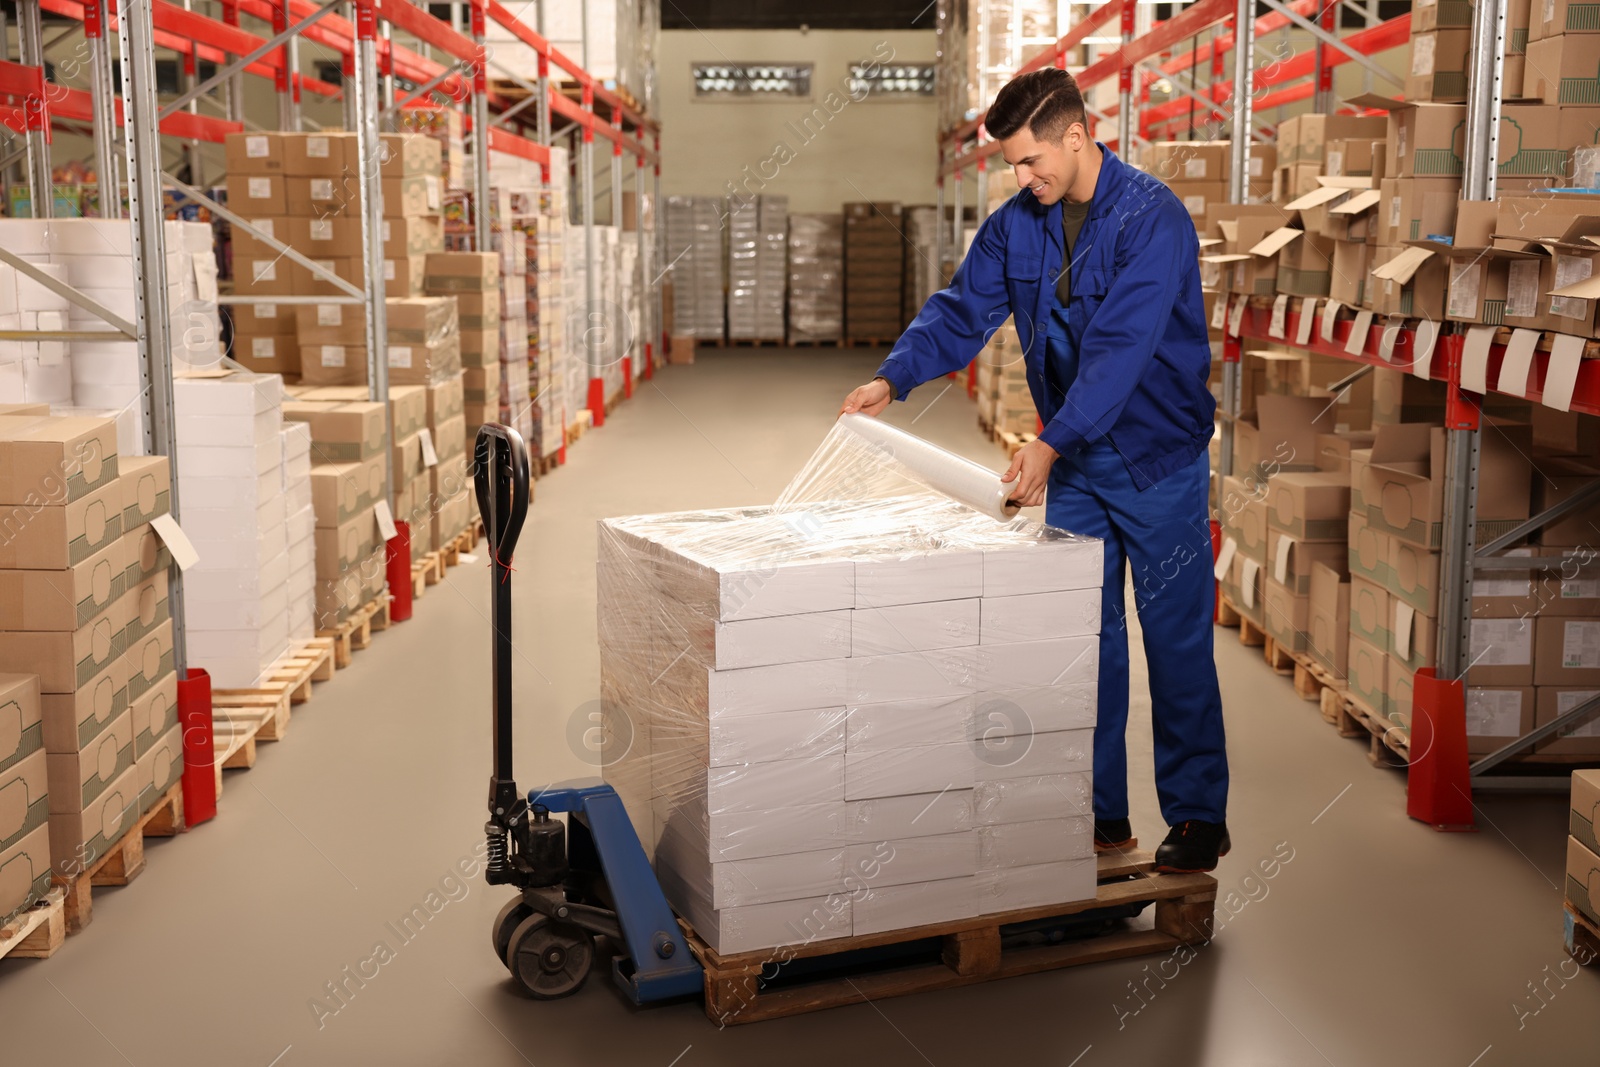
(1441, 778)
(371, 64)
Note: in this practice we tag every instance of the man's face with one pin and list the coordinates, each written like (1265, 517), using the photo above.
(1048, 168)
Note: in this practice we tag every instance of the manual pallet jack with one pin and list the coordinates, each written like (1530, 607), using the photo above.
(588, 877)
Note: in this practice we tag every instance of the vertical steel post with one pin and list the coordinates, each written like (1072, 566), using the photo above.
(1125, 86)
(30, 38)
(597, 385)
(369, 178)
(136, 39)
(1244, 44)
(543, 107)
(103, 95)
(480, 130)
(647, 349)
(1322, 103)
(230, 17)
(386, 66)
(941, 224)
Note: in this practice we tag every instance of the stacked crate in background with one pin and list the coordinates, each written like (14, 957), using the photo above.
(694, 257)
(921, 266)
(349, 478)
(301, 530)
(527, 222)
(813, 737)
(874, 267)
(516, 389)
(84, 607)
(231, 478)
(757, 231)
(473, 280)
(102, 375)
(445, 126)
(1005, 403)
(555, 355)
(816, 278)
(302, 190)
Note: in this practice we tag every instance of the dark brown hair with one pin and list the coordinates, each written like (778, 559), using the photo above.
(1047, 101)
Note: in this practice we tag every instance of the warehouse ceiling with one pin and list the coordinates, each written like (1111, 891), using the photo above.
(790, 15)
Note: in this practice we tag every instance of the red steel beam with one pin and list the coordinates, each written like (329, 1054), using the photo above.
(1162, 36)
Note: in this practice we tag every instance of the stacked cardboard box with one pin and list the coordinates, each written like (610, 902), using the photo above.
(443, 124)
(349, 481)
(874, 268)
(232, 478)
(300, 528)
(1303, 144)
(554, 347)
(85, 608)
(24, 772)
(816, 277)
(450, 502)
(921, 269)
(473, 279)
(516, 388)
(694, 258)
(1199, 172)
(1583, 848)
(818, 735)
(757, 232)
(1004, 399)
(303, 190)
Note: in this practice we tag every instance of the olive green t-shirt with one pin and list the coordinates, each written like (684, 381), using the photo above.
(1072, 218)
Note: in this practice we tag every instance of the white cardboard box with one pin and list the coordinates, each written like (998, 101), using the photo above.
(914, 627)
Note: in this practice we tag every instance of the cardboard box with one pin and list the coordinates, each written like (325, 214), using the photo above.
(1413, 575)
(253, 153)
(21, 718)
(444, 402)
(414, 236)
(1401, 397)
(77, 839)
(257, 195)
(1551, 17)
(342, 491)
(67, 599)
(1582, 739)
(146, 554)
(1283, 435)
(318, 155)
(1242, 513)
(1561, 69)
(1369, 550)
(1191, 161)
(154, 714)
(341, 548)
(1348, 157)
(24, 872)
(1368, 673)
(268, 355)
(1333, 451)
(680, 349)
(1309, 505)
(333, 364)
(1197, 196)
(1585, 813)
(1412, 209)
(1566, 652)
(328, 197)
(342, 433)
(1501, 652)
(24, 785)
(147, 487)
(1290, 562)
(1352, 260)
(55, 460)
(149, 661)
(40, 535)
(77, 778)
(1369, 613)
(1409, 282)
(67, 660)
(1438, 65)
(462, 272)
(159, 768)
(1328, 632)
(1286, 616)
(1497, 716)
(1583, 866)
(1404, 484)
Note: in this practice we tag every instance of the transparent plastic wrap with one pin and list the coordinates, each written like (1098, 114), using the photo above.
(816, 277)
(807, 720)
(424, 339)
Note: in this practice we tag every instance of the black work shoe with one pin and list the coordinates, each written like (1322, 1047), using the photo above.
(1111, 835)
(1193, 846)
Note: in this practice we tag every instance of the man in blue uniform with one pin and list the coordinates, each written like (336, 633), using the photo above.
(1097, 265)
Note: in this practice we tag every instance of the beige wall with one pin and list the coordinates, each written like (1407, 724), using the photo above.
(871, 150)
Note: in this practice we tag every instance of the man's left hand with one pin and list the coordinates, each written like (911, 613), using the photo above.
(1030, 470)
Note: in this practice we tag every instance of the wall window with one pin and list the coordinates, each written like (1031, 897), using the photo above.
(891, 80)
(751, 80)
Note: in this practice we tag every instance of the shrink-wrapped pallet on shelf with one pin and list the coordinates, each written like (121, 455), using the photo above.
(865, 708)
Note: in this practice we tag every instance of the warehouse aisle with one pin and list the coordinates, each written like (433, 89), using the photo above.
(320, 918)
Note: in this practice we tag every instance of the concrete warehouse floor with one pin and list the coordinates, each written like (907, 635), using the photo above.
(1380, 942)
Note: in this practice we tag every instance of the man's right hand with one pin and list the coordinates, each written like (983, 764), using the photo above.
(869, 399)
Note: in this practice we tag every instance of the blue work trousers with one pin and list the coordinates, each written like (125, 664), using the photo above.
(1162, 533)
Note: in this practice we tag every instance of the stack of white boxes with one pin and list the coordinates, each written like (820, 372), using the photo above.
(94, 256)
(694, 257)
(852, 719)
(758, 229)
(554, 354)
(300, 529)
(231, 481)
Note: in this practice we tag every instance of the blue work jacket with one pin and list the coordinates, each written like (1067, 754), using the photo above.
(1137, 322)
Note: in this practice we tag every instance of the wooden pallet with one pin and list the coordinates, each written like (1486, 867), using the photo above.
(122, 862)
(355, 633)
(738, 989)
(1012, 442)
(463, 542)
(814, 342)
(241, 717)
(36, 933)
(1229, 615)
(743, 342)
(1388, 745)
(1280, 659)
(1582, 937)
(581, 424)
(429, 570)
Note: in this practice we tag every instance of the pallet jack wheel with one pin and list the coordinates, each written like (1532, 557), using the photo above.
(550, 959)
(505, 924)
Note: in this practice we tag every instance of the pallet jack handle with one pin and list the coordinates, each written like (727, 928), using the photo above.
(500, 478)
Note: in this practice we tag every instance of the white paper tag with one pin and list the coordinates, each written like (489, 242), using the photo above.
(1580, 644)
(435, 197)
(1494, 712)
(1518, 362)
(1565, 702)
(330, 314)
(316, 148)
(1569, 271)
(263, 347)
(1330, 315)
(1501, 642)
(205, 277)
(1280, 315)
(1359, 329)
(386, 231)
(1308, 311)
(1280, 565)
(385, 517)
(265, 226)
(1194, 169)
(322, 229)
(1225, 558)
(1522, 289)
(1247, 581)
(332, 355)
(1462, 299)
(1422, 49)
(1475, 358)
(1236, 317)
(177, 542)
(260, 188)
(400, 356)
(1389, 336)
(430, 458)
(1219, 312)
(322, 188)
(388, 270)
(264, 270)
(1561, 373)
(1401, 634)
(255, 147)
(1400, 143)
(1334, 162)
(266, 311)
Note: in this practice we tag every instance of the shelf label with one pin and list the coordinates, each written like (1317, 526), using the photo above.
(1236, 316)
(430, 458)
(1225, 559)
(386, 527)
(1280, 314)
(177, 542)
(1280, 565)
(1475, 358)
(1247, 581)
(1422, 343)
(1403, 615)
(1330, 315)
(1566, 353)
(1389, 336)
(1308, 311)
(1518, 362)
(1358, 333)
(1219, 312)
